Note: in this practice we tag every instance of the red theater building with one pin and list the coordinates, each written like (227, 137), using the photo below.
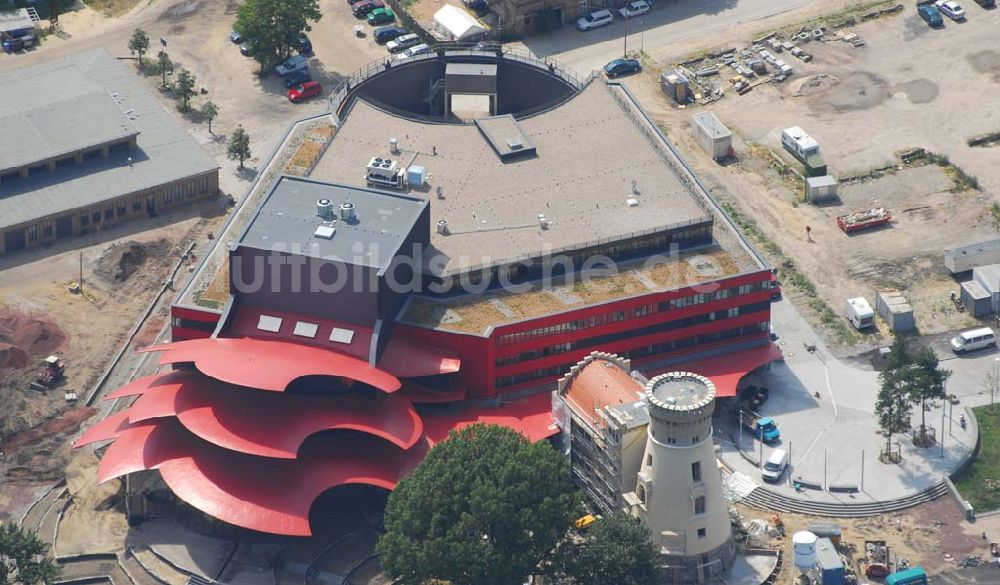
(377, 305)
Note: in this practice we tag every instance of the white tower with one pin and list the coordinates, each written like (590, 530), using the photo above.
(679, 490)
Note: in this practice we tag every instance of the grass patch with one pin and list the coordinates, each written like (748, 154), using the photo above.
(112, 8)
(980, 483)
(831, 321)
(961, 180)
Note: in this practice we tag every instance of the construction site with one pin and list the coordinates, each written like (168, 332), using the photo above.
(877, 114)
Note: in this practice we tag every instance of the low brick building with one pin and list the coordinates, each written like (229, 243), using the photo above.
(86, 146)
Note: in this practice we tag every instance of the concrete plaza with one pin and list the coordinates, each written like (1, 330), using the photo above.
(824, 407)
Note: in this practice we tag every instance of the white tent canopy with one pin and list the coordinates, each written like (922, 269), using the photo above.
(454, 24)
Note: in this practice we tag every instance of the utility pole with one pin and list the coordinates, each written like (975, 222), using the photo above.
(824, 469)
(862, 470)
(760, 464)
(942, 431)
(625, 54)
(642, 37)
(81, 272)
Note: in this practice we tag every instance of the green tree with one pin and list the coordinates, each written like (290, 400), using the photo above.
(210, 111)
(894, 404)
(185, 87)
(485, 507)
(617, 549)
(139, 43)
(239, 145)
(24, 559)
(927, 383)
(165, 64)
(273, 26)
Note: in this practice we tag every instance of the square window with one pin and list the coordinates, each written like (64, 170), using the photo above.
(702, 533)
(269, 323)
(303, 329)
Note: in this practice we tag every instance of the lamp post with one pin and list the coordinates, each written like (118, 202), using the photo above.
(625, 54)
(996, 373)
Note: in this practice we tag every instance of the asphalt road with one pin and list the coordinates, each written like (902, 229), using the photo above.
(667, 24)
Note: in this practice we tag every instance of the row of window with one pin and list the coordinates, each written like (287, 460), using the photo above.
(571, 261)
(97, 215)
(657, 348)
(658, 328)
(636, 312)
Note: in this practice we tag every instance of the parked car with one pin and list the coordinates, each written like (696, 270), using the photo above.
(476, 5)
(381, 16)
(353, 2)
(951, 9)
(987, 3)
(488, 46)
(245, 47)
(303, 44)
(297, 78)
(403, 42)
(633, 9)
(306, 90)
(414, 51)
(362, 9)
(386, 33)
(296, 63)
(235, 37)
(930, 14)
(620, 67)
(595, 19)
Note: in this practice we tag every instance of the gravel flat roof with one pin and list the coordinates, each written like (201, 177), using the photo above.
(95, 98)
(589, 152)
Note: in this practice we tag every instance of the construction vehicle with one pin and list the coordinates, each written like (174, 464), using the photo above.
(863, 220)
(876, 559)
(584, 522)
(51, 374)
(762, 427)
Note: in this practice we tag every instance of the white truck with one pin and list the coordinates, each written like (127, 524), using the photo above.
(859, 313)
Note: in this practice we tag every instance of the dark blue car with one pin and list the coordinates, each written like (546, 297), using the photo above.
(930, 14)
(297, 78)
(384, 34)
(620, 67)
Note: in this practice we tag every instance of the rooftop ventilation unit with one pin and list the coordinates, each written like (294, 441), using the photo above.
(443, 227)
(325, 232)
(385, 172)
(515, 143)
(542, 222)
(347, 211)
(393, 146)
(324, 209)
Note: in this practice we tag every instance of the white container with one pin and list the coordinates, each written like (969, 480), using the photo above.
(804, 546)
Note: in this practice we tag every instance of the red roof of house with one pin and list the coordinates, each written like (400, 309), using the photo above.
(598, 384)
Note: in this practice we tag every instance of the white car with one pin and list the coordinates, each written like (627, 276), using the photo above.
(633, 9)
(595, 19)
(397, 44)
(413, 51)
(951, 9)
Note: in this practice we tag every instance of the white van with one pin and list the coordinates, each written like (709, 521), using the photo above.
(595, 19)
(973, 340)
(775, 466)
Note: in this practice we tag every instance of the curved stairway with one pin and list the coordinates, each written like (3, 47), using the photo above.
(766, 499)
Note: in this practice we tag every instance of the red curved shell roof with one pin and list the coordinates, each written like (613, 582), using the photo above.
(259, 493)
(104, 430)
(269, 364)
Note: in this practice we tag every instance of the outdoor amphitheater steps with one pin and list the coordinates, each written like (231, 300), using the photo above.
(33, 517)
(766, 499)
(92, 568)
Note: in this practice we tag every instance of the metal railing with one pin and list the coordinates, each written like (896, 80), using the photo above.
(339, 96)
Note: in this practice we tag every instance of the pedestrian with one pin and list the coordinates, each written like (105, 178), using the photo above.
(809, 233)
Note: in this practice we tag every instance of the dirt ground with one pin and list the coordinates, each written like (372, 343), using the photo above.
(85, 330)
(934, 535)
(863, 105)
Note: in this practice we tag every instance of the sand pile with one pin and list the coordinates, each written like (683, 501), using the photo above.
(120, 261)
(23, 336)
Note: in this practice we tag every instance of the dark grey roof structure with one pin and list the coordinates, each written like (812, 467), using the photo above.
(290, 220)
(71, 105)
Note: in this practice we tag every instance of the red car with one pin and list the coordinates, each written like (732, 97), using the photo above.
(306, 90)
(361, 9)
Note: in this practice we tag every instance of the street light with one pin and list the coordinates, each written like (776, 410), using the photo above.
(996, 373)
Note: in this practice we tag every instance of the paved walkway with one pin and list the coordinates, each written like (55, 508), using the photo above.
(824, 407)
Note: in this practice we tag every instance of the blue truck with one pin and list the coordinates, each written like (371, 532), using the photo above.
(762, 427)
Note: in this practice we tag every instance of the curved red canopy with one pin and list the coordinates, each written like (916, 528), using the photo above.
(409, 358)
(146, 383)
(262, 423)
(269, 364)
(104, 430)
(264, 494)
